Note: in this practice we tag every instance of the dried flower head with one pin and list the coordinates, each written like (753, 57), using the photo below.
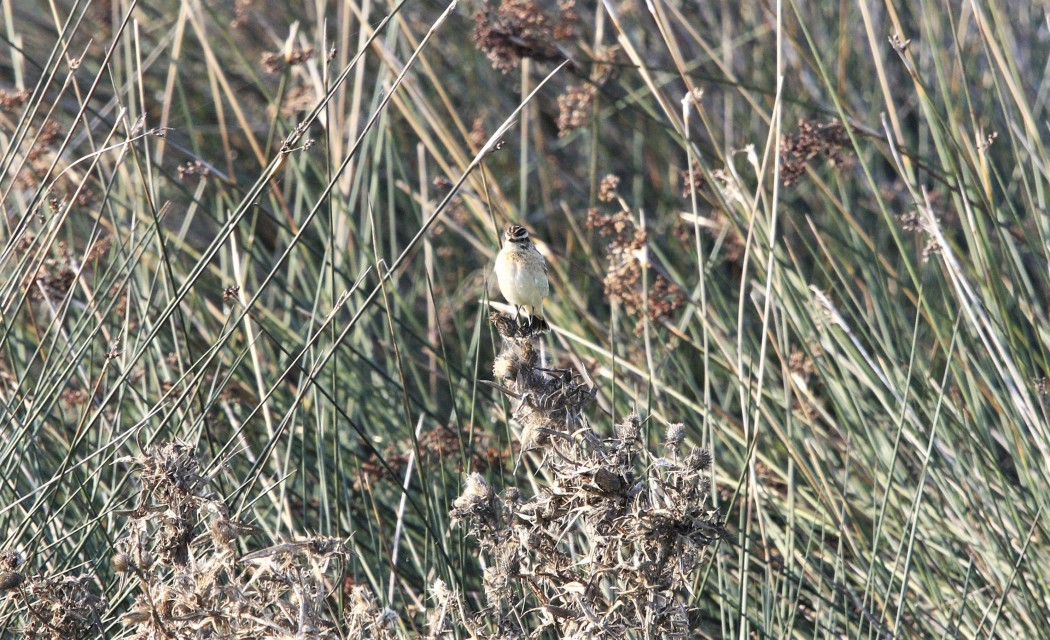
(11, 580)
(476, 501)
(574, 107)
(674, 436)
(63, 608)
(607, 188)
(624, 275)
(813, 138)
(519, 29)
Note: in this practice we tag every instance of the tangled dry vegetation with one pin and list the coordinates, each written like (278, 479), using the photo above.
(607, 549)
(191, 581)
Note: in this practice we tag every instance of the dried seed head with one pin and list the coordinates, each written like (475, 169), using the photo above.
(477, 503)
(504, 367)
(476, 489)
(674, 436)
(607, 188)
(533, 434)
(699, 459)
(122, 563)
(11, 580)
(440, 591)
(11, 560)
(630, 429)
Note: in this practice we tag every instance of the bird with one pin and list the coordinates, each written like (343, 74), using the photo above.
(521, 273)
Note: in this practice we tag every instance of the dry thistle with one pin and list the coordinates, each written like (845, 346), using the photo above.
(62, 608)
(10, 577)
(181, 550)
(641, 527)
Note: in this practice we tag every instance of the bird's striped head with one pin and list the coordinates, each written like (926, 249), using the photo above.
(517, 234)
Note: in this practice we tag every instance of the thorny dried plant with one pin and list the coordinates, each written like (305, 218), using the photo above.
(625, 255)
(62, 608)
(519, 29)
(181, 550)
(813, 138)
(607, 549)
(56, 608)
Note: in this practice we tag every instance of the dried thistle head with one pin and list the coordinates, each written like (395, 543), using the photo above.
(674, 436)
(698, 459)
(629, 430)
(477, 503)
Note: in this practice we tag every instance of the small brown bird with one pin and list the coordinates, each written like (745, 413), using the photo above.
(522, 274)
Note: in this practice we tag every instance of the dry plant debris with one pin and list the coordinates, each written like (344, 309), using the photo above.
(181, 550)
(62, 608)
(607, 549)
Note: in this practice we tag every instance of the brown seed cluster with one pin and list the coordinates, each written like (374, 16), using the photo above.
(277, 61)
(608, 548)
(193, 168)
(519, 29)
(298, 100)
(54, 278)
(45, 141)
(11, 101)
(813, 138)
(693, 181)
(623, 278)
(439, 447)
(607, 188)
(574, 107)
(915, 223)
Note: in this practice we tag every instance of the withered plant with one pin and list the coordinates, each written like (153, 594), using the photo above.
(608, 547)
(181, 549)
(62, 608)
